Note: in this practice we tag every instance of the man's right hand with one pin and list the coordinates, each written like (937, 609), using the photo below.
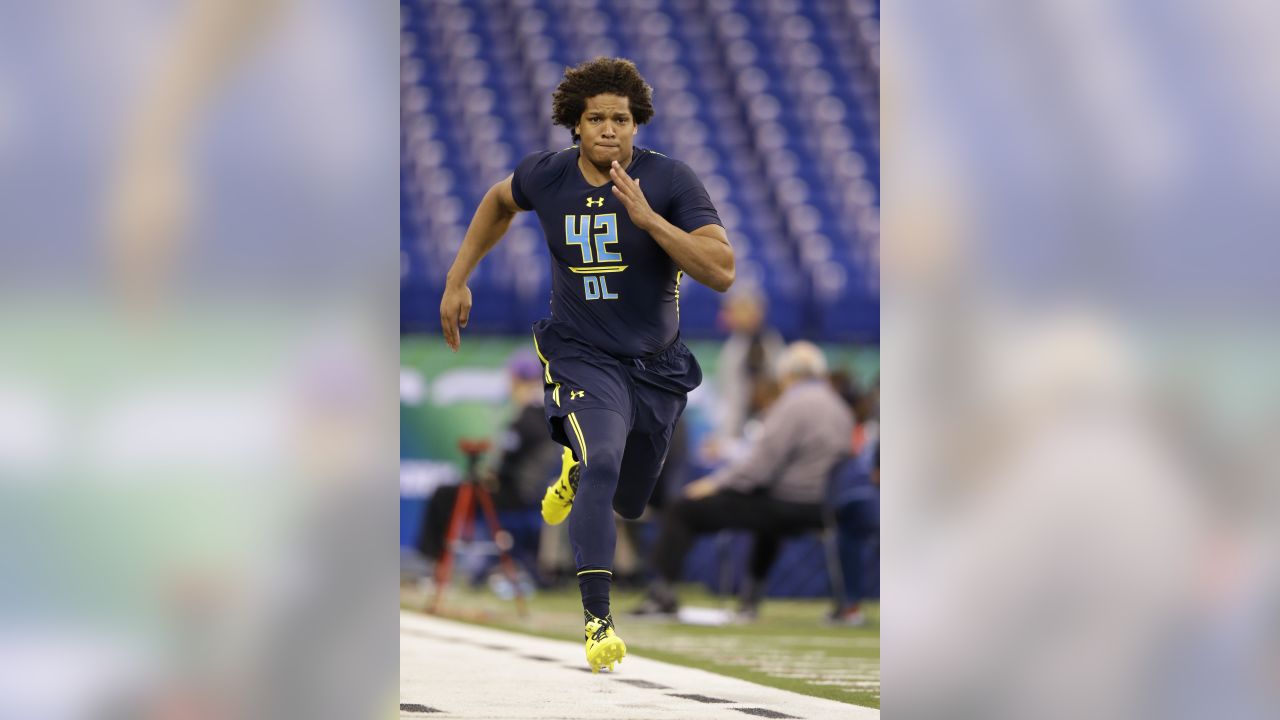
(455, 310)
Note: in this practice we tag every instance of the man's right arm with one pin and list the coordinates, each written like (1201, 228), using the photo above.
(489, 224)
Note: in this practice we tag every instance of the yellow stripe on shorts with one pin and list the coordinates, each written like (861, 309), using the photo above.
(546, 364)
(584, 572)
(577, 430)
(546, 371)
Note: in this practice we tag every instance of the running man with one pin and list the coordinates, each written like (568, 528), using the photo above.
(623, 224)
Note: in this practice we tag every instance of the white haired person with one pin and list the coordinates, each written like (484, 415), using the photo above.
(776, 490)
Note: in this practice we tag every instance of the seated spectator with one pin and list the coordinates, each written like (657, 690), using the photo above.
(528, 458)
(777, 490)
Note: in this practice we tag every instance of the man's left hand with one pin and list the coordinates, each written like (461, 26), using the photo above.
(627, 189)
(698, 489)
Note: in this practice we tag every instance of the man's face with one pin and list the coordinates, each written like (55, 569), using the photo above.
(606, 129)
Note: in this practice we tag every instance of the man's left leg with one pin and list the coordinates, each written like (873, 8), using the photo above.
(642, 464)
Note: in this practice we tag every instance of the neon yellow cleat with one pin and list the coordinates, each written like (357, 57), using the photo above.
(604, 648)
(558, 501)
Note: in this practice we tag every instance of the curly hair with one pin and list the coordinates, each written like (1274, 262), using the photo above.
(593, 77)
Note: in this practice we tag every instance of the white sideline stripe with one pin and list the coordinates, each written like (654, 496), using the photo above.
(444, 666)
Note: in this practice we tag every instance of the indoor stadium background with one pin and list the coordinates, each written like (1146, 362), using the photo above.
(773, 103)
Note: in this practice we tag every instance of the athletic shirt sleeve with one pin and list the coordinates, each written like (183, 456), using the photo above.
(524, 181)
(691, 206)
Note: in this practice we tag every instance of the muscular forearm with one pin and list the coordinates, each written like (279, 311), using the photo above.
(487, 227)
(709, 260)
(704, 254)
(490, 223)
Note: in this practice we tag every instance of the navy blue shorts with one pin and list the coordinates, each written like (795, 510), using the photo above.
(649, 393)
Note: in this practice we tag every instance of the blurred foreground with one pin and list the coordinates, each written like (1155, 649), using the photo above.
(197, 306)
(1080, 348)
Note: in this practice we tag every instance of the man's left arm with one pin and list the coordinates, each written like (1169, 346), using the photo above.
(779, 434)
(704, 254)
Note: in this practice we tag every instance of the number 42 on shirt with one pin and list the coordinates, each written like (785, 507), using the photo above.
(593, 234)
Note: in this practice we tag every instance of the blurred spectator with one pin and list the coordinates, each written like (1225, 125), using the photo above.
(151, 199)
(776, 491)
(745, 368)
(529, 458)
(865, 406)
(866, 416)
(855, 502)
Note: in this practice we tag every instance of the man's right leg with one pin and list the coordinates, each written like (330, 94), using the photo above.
(598, 438)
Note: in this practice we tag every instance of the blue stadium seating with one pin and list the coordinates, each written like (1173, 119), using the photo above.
(774, 103)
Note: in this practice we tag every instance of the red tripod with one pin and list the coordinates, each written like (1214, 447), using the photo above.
(462, 521)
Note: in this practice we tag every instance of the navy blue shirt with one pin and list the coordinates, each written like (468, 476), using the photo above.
(611, 282)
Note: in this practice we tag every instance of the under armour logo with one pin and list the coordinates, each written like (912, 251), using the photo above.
(575, 394)
(599, 202)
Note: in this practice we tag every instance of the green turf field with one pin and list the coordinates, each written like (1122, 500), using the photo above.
(788, 647)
